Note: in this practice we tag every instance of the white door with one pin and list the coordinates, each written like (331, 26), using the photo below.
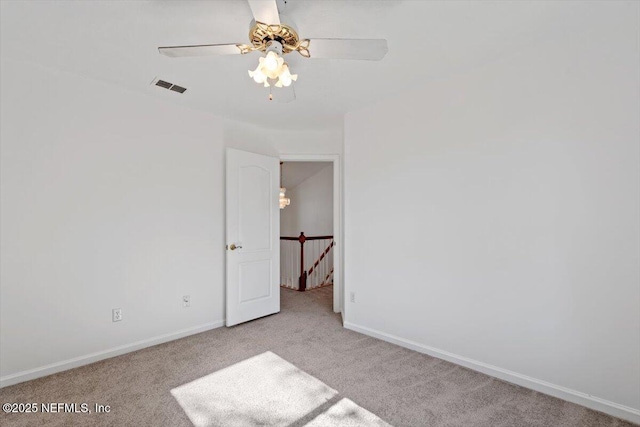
(253, 236)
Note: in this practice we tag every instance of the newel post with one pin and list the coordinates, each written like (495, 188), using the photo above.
(302, 284)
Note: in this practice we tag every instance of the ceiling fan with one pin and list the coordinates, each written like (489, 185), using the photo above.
(275, 34)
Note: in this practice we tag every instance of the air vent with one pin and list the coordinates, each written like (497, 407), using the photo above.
(177, 88)
(170, 86)
(164, 84)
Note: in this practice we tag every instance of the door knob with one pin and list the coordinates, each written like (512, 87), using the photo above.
(233, 247)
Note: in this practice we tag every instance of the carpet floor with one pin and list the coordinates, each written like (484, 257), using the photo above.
(152, 387)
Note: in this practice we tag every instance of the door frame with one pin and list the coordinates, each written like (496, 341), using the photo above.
(338, 275)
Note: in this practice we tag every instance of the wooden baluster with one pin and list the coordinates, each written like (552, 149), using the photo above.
(315, 269)
(318, 254)
(321, 272)
(320, 264)
(324, 262)
(303, 274)
(331, 259)
(294, 266)
(324, 265)
(289, 284)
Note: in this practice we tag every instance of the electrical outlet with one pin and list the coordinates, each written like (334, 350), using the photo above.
(186, 301)
(116, 314)
(353, 297)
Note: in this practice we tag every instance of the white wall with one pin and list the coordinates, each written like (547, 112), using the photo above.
(494, 215)
(276, 142)
(311, 208)
(109, 199)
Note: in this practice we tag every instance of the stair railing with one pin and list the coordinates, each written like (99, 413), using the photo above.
(296, 272)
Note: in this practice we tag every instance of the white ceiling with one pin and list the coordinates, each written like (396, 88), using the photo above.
(293, 173)
(116, 42)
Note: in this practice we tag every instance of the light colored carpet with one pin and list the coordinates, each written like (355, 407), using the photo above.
(369, 376)
(266, 390)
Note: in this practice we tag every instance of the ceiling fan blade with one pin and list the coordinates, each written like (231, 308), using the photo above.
(284, 95)
(265, 11)
(367, 49)
(200, 50)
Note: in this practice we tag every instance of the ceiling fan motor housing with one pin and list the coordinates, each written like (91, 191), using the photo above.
(285, 34)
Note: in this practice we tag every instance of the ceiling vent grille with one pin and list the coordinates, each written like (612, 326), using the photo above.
(177, 88)
(170, 86)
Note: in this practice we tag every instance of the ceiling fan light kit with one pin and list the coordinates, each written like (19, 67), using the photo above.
(276, 39)
(272, 66)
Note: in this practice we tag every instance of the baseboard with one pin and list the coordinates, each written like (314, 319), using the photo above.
(573, 396)
(76, 362)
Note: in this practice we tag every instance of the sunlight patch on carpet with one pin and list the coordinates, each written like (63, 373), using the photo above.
(346, 413)
(266, 390)
(262, 390)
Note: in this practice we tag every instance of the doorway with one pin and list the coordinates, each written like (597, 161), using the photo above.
(310, 250)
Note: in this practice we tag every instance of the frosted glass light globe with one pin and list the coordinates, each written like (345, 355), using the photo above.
(271, 62)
